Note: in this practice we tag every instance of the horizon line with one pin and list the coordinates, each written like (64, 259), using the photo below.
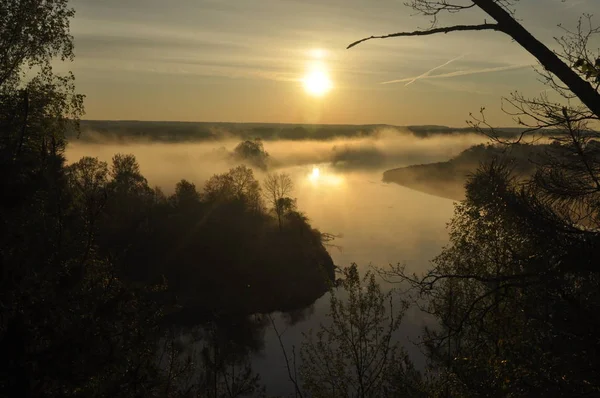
(286, 123)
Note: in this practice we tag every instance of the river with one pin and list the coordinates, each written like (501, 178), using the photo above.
(380, 224)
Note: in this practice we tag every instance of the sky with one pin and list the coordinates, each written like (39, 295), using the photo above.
(250, 61)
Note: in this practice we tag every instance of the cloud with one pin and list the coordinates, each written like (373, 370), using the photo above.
(458, 73)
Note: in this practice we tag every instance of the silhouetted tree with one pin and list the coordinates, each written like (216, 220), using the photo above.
(277, 187)
(32, 33)
(516, 291)
(354, 354)
(516, 295)
(253, 152)
(69, 326)
(186, 194)
(239, 184)
(575, 79)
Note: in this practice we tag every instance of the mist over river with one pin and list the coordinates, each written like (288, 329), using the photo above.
(379, 223)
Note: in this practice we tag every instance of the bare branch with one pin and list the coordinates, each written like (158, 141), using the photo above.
(291, 377)
(456, 28)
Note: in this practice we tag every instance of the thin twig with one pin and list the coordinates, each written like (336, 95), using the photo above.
(287, 362)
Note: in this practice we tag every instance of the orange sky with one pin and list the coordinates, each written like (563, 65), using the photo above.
(244, 61)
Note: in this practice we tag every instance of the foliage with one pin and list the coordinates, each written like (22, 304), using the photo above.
(355, 355)
(94, 264)
(238, 185)
(252, 152)
(447, 179)
(516, 290)
(277, 187)
(511, 293)
(32, 33)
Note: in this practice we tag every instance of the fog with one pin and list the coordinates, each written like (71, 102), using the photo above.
(165, 164)
(380, 223)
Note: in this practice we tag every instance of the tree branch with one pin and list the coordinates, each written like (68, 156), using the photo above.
(293, 379)
(456, 28)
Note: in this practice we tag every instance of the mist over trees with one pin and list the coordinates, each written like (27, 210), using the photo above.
(108, 287)
(252, 152)
(516, 290)
(447, 179)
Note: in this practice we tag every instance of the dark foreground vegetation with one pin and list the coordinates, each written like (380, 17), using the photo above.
(516, 292)
(109, 288)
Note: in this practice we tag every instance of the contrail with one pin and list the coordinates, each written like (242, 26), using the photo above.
(456, 73)
(424, 75)
(575, 4)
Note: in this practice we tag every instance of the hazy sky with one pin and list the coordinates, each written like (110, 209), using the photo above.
(244, 60)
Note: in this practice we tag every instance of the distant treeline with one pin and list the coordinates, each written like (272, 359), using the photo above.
(99, 130)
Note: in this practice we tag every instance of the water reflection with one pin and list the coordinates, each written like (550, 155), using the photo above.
(322, 176)
(381, 224)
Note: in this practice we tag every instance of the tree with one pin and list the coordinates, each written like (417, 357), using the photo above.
(126, 175)
(237, 184)
(575, 79)
(515, 294)
(516, 290)
(88, 185)
(186, 194)
(32, 33)
(69, 326)
(88, 179)
(355, 355)
(33, 210)
(252, 151)
(277, 188)
(34, 113)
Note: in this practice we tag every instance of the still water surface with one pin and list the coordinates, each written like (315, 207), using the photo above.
(381, 224)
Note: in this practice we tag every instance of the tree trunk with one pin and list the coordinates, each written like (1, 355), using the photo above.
(549, 60)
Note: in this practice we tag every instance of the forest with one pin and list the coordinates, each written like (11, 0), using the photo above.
(111, 288)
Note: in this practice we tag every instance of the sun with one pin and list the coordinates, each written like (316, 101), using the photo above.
(317, 82)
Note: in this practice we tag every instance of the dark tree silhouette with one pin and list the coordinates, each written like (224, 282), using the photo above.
(277, 187)
(98, 271)
(252, 152)
(354, 354)
(516, 290)
(501, 11)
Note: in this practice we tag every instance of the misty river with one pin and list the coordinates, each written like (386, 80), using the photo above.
(379, 223)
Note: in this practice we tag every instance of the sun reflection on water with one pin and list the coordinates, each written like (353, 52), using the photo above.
(322, 177)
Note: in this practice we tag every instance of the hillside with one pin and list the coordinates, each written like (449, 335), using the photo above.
(447, 179)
